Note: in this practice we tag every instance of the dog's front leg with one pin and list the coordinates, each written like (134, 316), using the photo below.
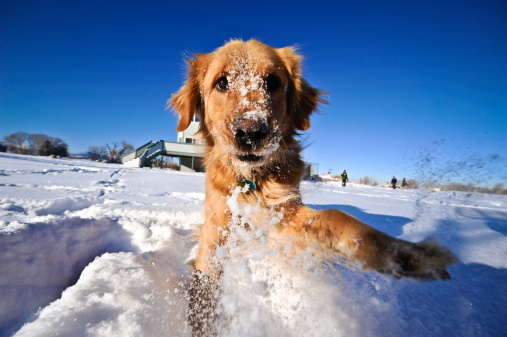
(204, 292)
(203, 296)
(337, 231)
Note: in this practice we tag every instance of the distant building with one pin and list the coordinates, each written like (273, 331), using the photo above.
(188, 149)
(189, 135)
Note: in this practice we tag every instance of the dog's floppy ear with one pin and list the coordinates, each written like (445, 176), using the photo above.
(188, 101)
(303, 99)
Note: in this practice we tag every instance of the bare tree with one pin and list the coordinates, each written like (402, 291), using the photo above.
(411, 183)
(110, 152)
(36, 141)
(117, 150)
(429, 185)
(97, 152)
(17, 142)
(368, 181)
(498, 189)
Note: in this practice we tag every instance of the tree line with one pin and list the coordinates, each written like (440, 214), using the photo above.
(460, 187)
(36, 144)
(498, 188)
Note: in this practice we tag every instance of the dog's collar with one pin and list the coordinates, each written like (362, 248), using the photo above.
(242, 182)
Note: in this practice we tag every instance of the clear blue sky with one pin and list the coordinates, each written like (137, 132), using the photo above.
(417, 89)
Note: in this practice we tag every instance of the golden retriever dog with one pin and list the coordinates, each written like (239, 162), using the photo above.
(253, 102)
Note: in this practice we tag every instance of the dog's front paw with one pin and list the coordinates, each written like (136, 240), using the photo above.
(423, 261)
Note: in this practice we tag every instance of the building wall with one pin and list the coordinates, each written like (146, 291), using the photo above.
(186, 164)
(190, 134)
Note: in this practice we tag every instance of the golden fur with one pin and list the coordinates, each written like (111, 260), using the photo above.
(251, 88)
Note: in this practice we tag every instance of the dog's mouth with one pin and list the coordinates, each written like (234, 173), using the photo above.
(249, 158)
(259, 156)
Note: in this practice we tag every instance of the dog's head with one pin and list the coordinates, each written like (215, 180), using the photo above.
(251, 100)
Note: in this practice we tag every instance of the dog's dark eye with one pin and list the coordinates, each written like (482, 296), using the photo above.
(272, 82)
(222, 84)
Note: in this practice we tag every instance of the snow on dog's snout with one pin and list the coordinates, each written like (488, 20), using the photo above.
(254, 108)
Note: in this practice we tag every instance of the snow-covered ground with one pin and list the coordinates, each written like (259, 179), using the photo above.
(93, 249)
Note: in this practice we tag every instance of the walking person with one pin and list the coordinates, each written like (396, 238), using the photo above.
(404, 183)
(394, 182)
(344, 178)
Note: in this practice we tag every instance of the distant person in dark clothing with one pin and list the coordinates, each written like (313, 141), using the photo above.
(404, 183)
(344, 178)
(394, 182)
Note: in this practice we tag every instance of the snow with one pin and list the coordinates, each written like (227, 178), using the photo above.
(99, 249)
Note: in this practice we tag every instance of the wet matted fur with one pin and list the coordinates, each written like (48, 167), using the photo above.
(253, 102)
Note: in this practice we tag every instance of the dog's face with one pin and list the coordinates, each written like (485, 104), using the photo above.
(251, 100)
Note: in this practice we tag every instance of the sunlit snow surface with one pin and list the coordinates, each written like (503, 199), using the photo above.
(92, 249)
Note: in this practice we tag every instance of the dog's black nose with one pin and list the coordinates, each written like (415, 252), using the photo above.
(249, 133)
